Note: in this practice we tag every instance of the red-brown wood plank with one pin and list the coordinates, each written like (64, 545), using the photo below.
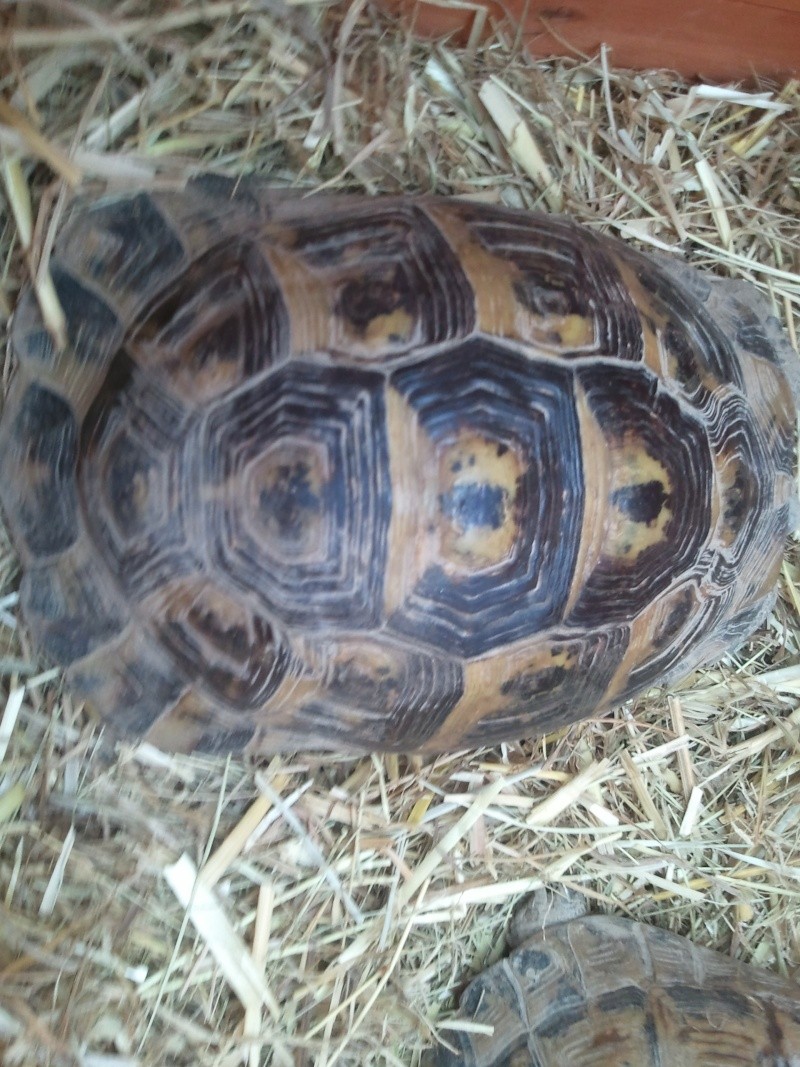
(714, 39)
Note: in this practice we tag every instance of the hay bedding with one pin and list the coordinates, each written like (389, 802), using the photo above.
(343, 903)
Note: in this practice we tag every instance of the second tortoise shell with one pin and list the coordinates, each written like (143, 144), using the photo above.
(384, 474)
(603, 991)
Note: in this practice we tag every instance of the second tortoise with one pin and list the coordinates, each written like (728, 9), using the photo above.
(599, 991)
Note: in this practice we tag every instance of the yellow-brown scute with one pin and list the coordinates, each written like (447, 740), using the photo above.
(553, 332)
(738, 493)
(390, 328)
(640, 501)
(478, 480)
(572, 331)
(285, 489)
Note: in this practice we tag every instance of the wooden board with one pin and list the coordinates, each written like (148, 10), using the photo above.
(710, 39)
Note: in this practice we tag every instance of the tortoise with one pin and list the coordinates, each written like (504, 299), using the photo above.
(602, 991)
(384, 473)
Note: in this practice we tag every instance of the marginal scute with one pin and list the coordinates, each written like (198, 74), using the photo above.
(70, 605)
(128, 250)
(219, 641)
(216, 742)
(38, 468)
(536, 687)
(399, 689)
(668, 634)
(33, 344)
(132, 675)
(739, 493)
(385, 473)
(702, 354)
(753, 336)
(93, 329)
(193, 718)
(752, 455)
(212, 209)
(495, 1004)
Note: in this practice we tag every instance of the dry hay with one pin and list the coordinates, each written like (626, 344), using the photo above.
(343, 903)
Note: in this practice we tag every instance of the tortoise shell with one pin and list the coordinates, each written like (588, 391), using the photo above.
(601, 991)
(384, 473)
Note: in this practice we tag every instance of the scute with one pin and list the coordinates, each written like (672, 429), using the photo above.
(37, 467)
(399, 689)
(131, 467)
(297, 497)
(501, 547)
(69, 606)
(537, 687)
(93, 330)
(384, 474)
(569, 295)
(132, 675)
(658, 510)
(220, 322)
(228, 647)
(393, 280)
(129, 252)
(703, 355)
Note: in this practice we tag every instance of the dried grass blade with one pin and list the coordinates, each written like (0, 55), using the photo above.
(219, 862)
(545, 812)
(9, 719)
(640, 788)
(693, 807)
(57, 877)
(222, 941)
(328, 873)
(11, 801)
(753, 745)
(520, 141)
(709, 182)
(38, 145)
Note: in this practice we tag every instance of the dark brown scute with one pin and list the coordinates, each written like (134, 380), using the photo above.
(40, 463)
(127, 246)
(219, 322)
(387, 258)
(627, 403)
(526, 406)
(564, 270)
(70, 610)
(407, 703)
(341, 413)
